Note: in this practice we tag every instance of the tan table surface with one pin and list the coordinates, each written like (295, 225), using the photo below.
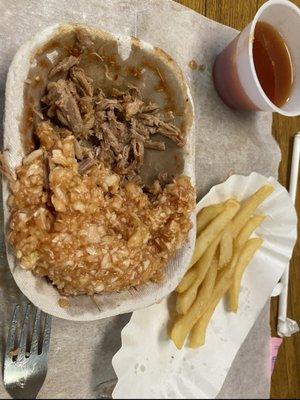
(286, 376)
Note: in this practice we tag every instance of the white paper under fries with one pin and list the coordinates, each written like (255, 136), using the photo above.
(40, 293)
(149, 366)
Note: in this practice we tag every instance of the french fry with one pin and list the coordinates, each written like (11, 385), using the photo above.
(222, 252)
(186, 299)
(226, 247)
(187, 280)
(207, 214)
(248, 229)
(216, 226)
(223, 282)
(246, 255)
(248, 207)
(197, 336)
(185, 323)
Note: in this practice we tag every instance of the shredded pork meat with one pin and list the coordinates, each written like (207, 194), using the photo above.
(79, 213)
(115, 129)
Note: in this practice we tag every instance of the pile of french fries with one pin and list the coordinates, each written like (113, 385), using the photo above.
(222, 252)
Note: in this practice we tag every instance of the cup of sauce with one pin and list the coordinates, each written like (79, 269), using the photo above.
(260, 69)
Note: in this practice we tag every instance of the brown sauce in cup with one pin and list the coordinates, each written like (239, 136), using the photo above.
(273, 63)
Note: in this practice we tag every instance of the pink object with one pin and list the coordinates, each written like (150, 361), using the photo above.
(275, 344)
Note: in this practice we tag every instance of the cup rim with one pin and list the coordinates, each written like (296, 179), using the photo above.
(260, 11)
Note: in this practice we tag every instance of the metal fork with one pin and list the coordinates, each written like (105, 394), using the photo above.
(25, 367)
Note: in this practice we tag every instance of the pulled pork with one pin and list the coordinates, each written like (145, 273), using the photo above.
(115, 129)
(79, 215)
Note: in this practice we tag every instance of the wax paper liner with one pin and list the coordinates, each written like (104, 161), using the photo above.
(149, 366)
(226, 142)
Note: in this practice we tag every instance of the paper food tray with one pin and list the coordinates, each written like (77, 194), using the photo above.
(150, 366)
(40, 292)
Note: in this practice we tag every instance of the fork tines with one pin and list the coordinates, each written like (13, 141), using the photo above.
(31, 341)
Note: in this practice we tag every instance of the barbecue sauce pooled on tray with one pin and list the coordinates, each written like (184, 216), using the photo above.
(273, 63)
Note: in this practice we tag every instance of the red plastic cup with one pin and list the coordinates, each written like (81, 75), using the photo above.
(234, 72)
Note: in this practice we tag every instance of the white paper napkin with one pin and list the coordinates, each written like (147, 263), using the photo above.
(149, 366)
